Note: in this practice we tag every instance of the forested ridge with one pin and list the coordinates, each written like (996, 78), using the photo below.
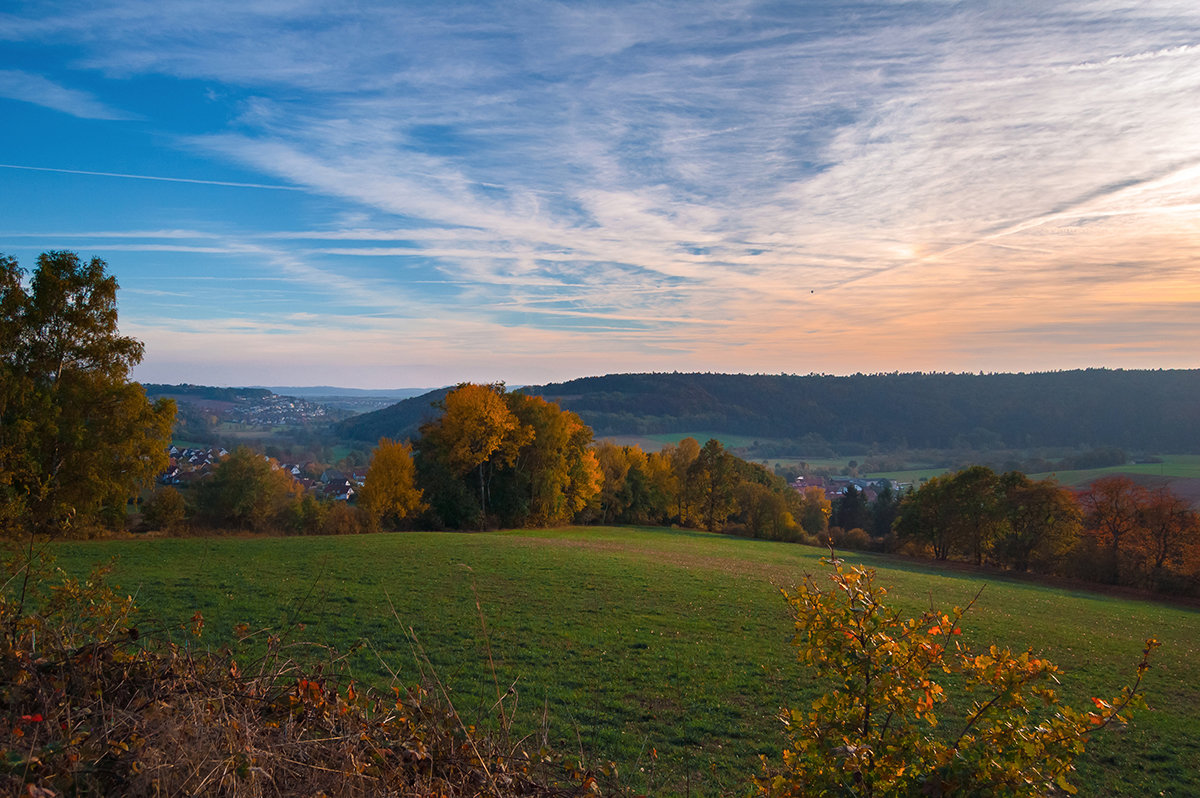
(1138, 409)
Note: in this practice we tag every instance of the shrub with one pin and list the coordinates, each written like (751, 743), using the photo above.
(88, 706)
(854, 539)
(872, 733)
(165, 510)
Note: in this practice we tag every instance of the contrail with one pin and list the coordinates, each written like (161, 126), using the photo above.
(151, 177)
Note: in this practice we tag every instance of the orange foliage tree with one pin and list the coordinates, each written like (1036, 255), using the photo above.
(554, 473)
(476, 433)
(1171, 539)
(390, 495)
(871, 732)
(1150, 536)
(1112, 506)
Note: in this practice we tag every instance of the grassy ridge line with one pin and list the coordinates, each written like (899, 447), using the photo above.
(635, 640)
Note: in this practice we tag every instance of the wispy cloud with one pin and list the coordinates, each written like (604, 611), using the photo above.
(918, 182)
(39, 90)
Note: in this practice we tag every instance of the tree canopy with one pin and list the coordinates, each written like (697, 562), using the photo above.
(494, 456)
(77, 436)
(247, 491)
(390, 495)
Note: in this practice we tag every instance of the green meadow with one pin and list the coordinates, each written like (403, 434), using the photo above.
(664, 651)
(1179, 466)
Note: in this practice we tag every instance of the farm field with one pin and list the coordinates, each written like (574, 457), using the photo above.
(728, 440)
(632, 642)
(1176, 466)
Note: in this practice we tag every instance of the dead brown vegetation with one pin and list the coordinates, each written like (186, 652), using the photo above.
(93, 704)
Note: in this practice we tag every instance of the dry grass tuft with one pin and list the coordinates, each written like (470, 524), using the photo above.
(91, 705)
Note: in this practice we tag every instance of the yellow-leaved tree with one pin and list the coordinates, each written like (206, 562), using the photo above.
(390, 496)
(476, 434)
(554, 473)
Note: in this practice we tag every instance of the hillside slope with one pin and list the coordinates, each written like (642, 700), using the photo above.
(1140, 410)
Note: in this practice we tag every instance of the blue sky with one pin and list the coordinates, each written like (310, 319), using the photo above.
(415, 194)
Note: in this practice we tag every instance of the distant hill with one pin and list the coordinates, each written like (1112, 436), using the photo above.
(321, 391)
(1136, 410)
(398, 422)
(206, 392)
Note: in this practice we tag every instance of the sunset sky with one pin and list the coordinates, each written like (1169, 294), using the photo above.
(402, 194)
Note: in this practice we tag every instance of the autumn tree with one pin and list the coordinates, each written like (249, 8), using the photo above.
(766, 511)
(1042, 521)
(553, 474)
(165, 510)
(613, 497)
(528, 461)
(712, 478)
(1112, 516)
(924, 515)
(1171, 535)
(77, 436)
(475, 435)
(247, 491)
(959, 512)
(660, 489)
(682, 455)
(976, 515)
(390, 496)
(814, 511)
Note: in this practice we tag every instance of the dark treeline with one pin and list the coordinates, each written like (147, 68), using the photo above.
(210, 392)
(1115, 531)
(1134, 410)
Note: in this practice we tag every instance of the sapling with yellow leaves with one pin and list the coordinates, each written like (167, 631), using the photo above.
(878, 728)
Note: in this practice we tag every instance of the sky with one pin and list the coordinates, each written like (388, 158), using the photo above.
(409, 194)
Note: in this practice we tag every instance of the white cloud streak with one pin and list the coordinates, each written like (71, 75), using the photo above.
(28, 87)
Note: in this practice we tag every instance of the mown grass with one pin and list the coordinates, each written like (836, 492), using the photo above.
(635, 642)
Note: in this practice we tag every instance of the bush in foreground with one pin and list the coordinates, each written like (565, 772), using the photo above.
(873, 732)
(90, 706)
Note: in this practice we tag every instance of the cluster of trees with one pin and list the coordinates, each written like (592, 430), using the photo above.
(499, 458)
(511, 459)
(250, 492)
(703, 486)
(494, 457)
(1115, 531)
(980, 515)
(77, 437)
(1134, 535)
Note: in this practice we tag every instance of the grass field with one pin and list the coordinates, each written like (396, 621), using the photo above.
(634, 641)
(728, 440)
(1179, 466)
